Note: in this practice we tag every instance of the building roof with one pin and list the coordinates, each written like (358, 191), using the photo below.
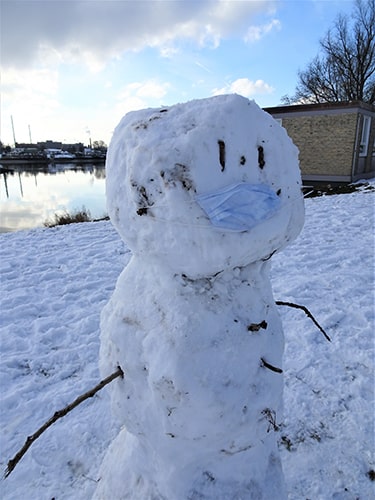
(324, 106)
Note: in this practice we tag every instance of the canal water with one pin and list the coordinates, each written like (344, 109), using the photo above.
(30, 197)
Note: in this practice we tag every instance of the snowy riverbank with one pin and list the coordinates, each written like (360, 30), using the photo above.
(54, 283)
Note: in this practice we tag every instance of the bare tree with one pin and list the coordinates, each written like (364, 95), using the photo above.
(345, 71)
(99, 144)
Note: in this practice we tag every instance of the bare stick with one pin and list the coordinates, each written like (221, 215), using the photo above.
(307, 312)
(57, 415)
(270, 367)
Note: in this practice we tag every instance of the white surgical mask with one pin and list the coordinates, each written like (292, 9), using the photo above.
(239, 207)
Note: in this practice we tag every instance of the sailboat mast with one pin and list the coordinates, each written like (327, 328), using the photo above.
(14, 135)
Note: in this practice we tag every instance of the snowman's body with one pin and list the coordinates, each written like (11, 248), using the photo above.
(192, 321)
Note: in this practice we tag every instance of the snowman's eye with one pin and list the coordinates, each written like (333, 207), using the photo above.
(222, 154)
(261, 161)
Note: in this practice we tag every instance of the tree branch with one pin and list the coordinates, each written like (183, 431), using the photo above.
(306, 311)
(57, 415)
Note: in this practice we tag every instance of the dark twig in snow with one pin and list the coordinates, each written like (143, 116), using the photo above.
(57, 415)
(306, 311)
(270, 367)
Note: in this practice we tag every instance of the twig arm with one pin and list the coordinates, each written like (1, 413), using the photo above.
(307, 312)
(57, 415)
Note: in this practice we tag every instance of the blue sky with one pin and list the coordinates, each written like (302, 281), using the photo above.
(70, 69)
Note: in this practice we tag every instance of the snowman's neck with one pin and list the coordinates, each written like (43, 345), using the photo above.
(256, 271)
(254, 275)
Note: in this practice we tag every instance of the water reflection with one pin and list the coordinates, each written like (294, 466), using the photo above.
(31, 196)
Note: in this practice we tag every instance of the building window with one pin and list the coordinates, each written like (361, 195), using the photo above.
(363, 147)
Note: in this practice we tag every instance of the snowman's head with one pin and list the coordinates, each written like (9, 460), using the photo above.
(204, 186)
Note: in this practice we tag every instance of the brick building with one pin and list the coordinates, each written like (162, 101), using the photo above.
(336, 141)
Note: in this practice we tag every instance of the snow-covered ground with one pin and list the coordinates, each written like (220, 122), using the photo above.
(54, 284)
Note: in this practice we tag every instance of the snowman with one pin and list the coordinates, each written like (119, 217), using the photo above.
(203, 193)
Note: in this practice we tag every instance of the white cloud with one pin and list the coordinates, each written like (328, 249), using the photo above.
(168, 51)
(92, 32)
(255, 33)
(29, 94)
(128, 103)
(245, 87)
(150, 89)
(41, 81)
(139, 95)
